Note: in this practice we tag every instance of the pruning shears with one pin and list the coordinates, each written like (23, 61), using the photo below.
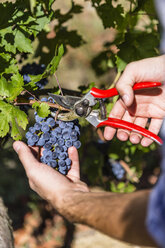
(83, 107)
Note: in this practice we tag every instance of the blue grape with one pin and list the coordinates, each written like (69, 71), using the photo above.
(55, 137)
(30, 142)
(33, 69)
(38, 119)
(66, 135)
(68, 161)
(60, 142)
(65, 148)
(26, 78)
(61, 162)
(34, 138)
(44, 99)
(62, 171)
(62, 124)
(53, 163)
(45, 127)
(117, 169)
(59, 149)
(28, 134)
(50, 99)
(41, 142)
(73, 137)
(51, 122)
(74, 132)
(37, 126)
(68, 143)
(46, 136)
(32, 129)
(77, 144)
(70, 124)
(53, 140)
(54, 155)
(47, 145)
(62, 155)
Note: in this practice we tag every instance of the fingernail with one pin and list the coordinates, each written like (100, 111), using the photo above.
(16, 147)
(126, 99)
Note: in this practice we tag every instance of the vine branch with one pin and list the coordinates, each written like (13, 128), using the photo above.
(51, 105)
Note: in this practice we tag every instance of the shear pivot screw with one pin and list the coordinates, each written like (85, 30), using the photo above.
(85, 102)
(80, 111)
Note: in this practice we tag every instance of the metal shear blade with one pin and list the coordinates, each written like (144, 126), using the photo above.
(65, 101)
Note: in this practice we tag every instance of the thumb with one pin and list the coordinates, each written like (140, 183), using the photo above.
(25, 155)
(74, 172)
(125, 84)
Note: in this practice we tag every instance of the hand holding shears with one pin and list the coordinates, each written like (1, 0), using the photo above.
(83, 107)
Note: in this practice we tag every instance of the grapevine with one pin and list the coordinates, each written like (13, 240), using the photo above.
(27, 29)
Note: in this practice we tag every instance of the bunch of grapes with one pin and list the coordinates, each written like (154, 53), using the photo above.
(55, 137)
(117, 169)
(34, 69)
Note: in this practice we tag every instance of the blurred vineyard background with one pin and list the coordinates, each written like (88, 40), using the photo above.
(89, 57)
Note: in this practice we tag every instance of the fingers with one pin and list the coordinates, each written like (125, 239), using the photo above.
(117, 112)
(124, 134)
(135, 138)
(74, 172)
(125, 83)
(154, 127)
(25, 155)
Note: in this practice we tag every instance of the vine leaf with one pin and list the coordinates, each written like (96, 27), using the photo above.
(136, 46)
(50, 69)
(11, 117)
(42, 109)
(22, 43)
(15, 86)
(111, 16)
(4, 91)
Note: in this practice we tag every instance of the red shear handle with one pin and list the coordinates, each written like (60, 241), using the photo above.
(113, 92)
(117, 123)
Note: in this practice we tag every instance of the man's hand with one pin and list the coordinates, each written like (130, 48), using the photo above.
(149, 103)
(71, 197)
(47, 182)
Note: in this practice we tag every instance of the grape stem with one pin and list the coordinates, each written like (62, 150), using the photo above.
(52, 105)
(58, 84)
(129, 171)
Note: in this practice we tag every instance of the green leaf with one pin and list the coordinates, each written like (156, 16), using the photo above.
(114, 156)
(136, 46)
(4, 125)
(4, 91)
(15, 132)
(13, 117)
(50, 3)
(34, 79)
(111, 16)
(41, 20)
(121, 64)
(22, 43)
(15, 86)
(42, 109)
(52, 67)
(32, 5)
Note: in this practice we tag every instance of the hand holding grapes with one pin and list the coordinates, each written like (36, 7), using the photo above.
(149, 103)
(47, 182)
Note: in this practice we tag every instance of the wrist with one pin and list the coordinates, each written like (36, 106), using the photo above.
(65, 201)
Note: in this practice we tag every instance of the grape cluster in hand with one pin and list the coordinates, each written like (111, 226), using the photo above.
(55, 137)
(117, 169)
(34, 69)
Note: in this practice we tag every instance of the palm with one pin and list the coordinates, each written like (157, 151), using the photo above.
(46, 181)
(149, 103)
